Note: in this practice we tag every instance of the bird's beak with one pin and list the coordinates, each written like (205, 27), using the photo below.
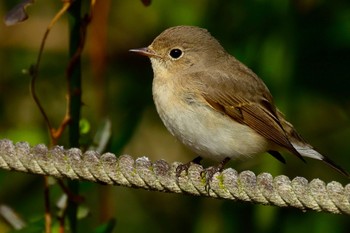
(144, 52)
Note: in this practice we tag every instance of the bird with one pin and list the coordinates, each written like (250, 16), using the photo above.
(215, 105)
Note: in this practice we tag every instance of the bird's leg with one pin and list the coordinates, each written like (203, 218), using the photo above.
(186, 166)
(209, 172)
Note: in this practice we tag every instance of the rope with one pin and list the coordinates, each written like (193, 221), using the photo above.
(161, 176)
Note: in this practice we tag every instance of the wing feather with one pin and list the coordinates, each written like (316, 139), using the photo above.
(248, 102)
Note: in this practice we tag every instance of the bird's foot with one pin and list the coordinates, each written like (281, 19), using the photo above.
(209, 172)
(186, 166)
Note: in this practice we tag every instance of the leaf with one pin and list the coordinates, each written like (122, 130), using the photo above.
(102, 136)
(18, 13)
(106, 227)
(84, 126)
(11, 217)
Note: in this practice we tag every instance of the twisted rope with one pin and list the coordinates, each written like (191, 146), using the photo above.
(142, 173)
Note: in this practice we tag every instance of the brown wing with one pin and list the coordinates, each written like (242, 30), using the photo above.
(248, 102)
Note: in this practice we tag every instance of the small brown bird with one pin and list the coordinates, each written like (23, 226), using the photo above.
(214, 104)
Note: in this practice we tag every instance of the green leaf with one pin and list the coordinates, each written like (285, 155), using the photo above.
(106, 227)
(84, 125)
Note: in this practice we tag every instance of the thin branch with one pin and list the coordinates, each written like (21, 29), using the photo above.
(54, 134)
(34, 70)
(48, 218)
(161, 176)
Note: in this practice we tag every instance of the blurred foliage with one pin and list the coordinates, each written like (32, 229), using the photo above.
(301, 49)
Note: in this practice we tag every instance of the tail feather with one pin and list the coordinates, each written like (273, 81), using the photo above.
(330, 163)
(303, 148)
(308, 151)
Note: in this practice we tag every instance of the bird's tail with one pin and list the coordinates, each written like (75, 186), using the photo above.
(307, 150)
(303, 148)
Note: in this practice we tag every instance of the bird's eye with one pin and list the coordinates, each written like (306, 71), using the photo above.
(175, 53)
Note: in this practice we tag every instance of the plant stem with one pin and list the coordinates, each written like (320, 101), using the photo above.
(74, 96)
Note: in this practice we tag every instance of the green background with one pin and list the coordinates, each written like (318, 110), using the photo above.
(301, 49)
